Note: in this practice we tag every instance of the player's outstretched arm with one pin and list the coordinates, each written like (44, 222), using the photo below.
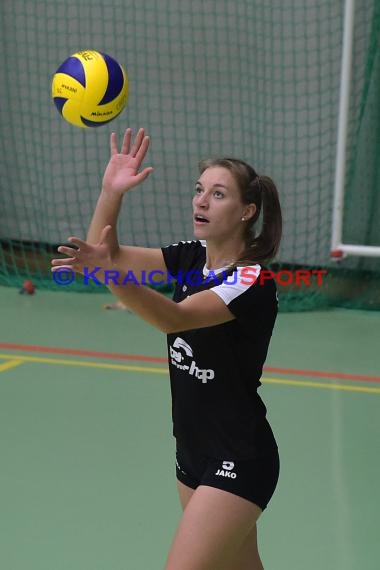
(203, 309)
(123, 173)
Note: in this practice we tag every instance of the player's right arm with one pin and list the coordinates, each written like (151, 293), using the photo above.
(121, 175)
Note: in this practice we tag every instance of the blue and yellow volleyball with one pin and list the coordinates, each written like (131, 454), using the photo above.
(90, 89)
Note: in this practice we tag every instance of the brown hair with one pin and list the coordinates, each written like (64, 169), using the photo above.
(261, 191)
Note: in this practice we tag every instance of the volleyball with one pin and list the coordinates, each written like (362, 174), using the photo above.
(90, 89)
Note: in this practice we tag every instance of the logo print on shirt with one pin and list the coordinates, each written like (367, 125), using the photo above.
(226, 470)
(184, 353)
(180, 343)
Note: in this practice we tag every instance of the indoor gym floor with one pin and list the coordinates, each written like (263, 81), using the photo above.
(87, 477)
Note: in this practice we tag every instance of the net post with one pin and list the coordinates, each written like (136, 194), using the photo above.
(344, 99)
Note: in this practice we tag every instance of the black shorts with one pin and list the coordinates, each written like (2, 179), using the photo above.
(253, 479)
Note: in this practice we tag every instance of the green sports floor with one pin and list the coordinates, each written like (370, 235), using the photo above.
(87, 477)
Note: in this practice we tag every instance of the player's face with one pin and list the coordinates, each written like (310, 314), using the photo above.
(217, 206)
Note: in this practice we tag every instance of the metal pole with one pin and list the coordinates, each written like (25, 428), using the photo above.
(344, 99)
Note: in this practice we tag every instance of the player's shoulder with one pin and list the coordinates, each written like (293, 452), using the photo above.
(258, 279)
(193, 244)
(188, 248)
(184, 255)
(246, 285)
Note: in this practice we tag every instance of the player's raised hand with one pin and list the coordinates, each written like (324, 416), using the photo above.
(123, 170)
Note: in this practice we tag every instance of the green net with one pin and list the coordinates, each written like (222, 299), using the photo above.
(253, 79)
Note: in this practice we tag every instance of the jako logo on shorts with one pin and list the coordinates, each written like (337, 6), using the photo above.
(226, 470)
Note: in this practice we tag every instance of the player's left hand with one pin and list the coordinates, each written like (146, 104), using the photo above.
(85, 257)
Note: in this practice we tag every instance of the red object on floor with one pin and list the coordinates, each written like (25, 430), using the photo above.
(28, 287)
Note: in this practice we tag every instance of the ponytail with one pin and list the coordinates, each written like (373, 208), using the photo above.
(264, 247)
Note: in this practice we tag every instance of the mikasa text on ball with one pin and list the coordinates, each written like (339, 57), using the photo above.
(90, 89)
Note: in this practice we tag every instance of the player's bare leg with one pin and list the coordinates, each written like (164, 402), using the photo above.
(217, 532)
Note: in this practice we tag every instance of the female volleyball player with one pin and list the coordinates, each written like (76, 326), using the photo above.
(218, 331)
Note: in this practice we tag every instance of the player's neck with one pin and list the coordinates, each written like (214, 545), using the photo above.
(222, 255)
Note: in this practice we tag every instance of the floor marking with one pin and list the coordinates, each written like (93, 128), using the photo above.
(9, 364)
(310, 384)
(163, 360)
(87, 364)
(82, 352)
(157, 370)
(323, 374)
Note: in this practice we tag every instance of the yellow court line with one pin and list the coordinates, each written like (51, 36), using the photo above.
(157, 370)
(9, 364)
(88, 364)
(305, 383)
